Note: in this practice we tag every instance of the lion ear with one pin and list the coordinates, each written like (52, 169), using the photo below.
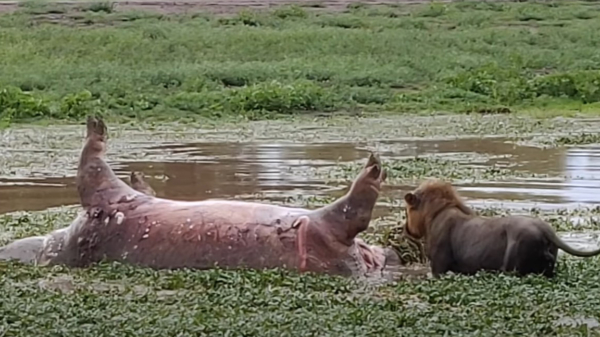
(410, 199)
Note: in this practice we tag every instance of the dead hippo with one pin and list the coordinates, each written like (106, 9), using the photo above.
(120, 223)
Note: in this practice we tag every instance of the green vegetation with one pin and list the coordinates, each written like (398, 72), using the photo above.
(62, 63)
(582, 138)
(114, 299)
(111, 299)
(416, 169)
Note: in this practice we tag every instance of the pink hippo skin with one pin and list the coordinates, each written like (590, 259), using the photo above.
(131, 225)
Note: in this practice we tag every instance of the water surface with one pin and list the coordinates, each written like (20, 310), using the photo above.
(196, 171)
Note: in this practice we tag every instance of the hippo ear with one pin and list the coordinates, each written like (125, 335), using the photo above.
(410, 198)
(133, 177)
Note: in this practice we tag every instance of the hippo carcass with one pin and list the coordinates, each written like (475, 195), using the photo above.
(131, 225)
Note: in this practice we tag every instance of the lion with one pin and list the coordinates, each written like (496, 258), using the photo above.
(459, 240)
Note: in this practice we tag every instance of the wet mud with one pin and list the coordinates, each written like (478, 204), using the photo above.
(219, 7)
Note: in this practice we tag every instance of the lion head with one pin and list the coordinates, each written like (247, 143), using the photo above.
(426, 202)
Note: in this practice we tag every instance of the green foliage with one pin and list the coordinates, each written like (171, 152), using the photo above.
(74, 106)
(112, 298)
(256, 100)
(499, 84)
(434, 10)
(16, 104)
(458, 57)
(106, 7)
(116, 299)
(292, 11)
(582, 86)
(245, 18)
(509, 86)
(279, 98)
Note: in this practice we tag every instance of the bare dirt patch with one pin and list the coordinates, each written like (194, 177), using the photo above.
(220, 6)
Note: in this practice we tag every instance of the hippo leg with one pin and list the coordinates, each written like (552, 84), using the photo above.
(97, 184)
(327, 237)
(351, 214)
(26, 250)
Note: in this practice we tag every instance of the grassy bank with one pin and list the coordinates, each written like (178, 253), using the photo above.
(464, 57)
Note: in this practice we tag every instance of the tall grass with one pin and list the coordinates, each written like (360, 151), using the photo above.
(459, 57)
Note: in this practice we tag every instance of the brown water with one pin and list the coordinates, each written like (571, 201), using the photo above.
(195, 171)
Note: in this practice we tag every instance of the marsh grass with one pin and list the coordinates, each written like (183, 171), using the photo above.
(112, 299)
(582, 138)
(109, 299)
(462, 57)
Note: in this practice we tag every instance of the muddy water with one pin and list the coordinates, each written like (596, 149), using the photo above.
(273, 171)
(195, 171)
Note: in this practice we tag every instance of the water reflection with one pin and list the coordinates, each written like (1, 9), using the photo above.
(198, 171)
(583, 166)
(229, 170)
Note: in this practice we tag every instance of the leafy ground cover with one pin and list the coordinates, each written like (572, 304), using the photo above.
(114, 299)
(63, 62)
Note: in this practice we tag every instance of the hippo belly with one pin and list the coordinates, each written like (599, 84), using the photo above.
(162, 233)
